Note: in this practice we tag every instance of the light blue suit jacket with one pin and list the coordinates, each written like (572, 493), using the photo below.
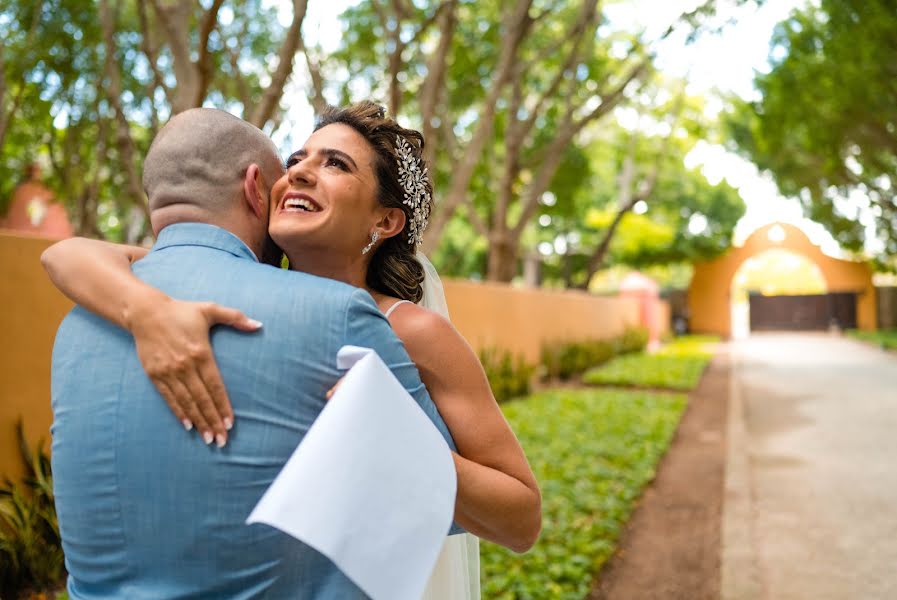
(147, 510)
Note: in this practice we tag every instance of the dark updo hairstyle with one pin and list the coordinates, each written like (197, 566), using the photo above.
(393, 270)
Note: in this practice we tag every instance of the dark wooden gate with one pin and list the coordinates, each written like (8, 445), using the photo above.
(803, 313)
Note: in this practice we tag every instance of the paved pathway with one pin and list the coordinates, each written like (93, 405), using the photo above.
(810, 509)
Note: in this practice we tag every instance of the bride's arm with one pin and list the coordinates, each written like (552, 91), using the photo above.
(172, 336)
(498, 496)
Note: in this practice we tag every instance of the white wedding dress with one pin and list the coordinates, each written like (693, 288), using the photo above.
(456, 575)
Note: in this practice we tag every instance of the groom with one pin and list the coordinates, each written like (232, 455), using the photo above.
(146, 510)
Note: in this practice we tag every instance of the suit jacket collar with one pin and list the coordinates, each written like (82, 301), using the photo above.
(203, 234)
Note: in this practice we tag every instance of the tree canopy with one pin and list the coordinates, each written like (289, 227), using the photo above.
(518, 100)
(825, 125)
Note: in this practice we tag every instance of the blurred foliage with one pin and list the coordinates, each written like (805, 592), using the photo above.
(886, 339)
(683, 218)
(677, 366)
(510, 376)
(56, 102)
(564, 360)
(674, 276)
(506, 177)
(826, 124)
(31, 558)
(592, 452)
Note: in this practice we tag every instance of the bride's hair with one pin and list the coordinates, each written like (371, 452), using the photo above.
(393, 269)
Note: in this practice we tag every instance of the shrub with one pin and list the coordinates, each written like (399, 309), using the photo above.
(30, 547)
(677, 366)
(633, 339)
(592, 452)
(509, 375)
(563, 360)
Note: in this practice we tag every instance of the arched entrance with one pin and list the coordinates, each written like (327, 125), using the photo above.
(776, 289)
(710, 291)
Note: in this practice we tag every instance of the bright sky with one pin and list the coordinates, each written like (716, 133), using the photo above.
(723, 63)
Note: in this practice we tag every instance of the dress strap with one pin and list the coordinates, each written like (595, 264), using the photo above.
(393, 307)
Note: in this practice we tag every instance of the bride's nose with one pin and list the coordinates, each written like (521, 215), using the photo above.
(301, 174)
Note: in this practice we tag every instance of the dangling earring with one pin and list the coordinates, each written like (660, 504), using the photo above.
(374, 237)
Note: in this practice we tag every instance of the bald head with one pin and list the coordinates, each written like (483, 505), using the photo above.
(197, 163)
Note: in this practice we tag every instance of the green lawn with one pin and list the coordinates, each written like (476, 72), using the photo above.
(592, 451)
(886, 339)
(676, 366)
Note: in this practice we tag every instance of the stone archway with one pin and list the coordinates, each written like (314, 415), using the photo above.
(710, 289)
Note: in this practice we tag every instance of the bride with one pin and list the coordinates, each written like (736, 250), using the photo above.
(352, 206)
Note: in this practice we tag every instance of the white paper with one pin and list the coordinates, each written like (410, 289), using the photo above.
(372, 485)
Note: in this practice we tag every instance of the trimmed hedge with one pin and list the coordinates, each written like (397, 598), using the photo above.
(510, 376)
(564, 360)
(677, 366)
(592, 452)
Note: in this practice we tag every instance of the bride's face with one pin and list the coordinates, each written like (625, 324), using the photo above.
(327, 198)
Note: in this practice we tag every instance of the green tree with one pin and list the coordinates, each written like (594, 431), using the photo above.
(501, 90)
(639, 205)
(826, 124)
(86, 84)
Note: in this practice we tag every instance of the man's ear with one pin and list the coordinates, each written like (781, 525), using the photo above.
(252, 191)
(391, 222)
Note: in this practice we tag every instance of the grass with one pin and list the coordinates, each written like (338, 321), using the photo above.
(677, 366)
(887, 339)
(592, 451)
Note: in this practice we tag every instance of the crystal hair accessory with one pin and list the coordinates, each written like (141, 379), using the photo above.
(413, 178)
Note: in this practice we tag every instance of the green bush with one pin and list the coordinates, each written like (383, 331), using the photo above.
(592, 452)
(887, 338)
(30, 547)
(633, 339)
(509, 376)
(563, 360)
(677, 366)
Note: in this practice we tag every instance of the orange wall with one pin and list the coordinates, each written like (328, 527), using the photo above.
(520, 320)
(487, 314)
(709, 294)
(31, 311)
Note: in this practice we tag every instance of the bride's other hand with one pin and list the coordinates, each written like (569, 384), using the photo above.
(172, 339)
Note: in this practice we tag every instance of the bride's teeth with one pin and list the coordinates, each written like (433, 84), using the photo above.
(300, 203)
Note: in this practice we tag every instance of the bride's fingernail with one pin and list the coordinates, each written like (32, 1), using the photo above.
(256, 324)
(228, 423)
(207, 437)
(187, 424)
(220, 441)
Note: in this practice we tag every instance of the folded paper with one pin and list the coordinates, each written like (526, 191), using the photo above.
(372, 485)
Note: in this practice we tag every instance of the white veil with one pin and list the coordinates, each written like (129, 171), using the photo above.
(434, 294)
(456, 575)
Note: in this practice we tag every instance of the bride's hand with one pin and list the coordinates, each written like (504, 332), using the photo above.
(336, 385)
(172, 339)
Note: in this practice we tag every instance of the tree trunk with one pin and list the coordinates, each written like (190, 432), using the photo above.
(596, 261)
(502, 264)
(175, 18)
(517, 24)
(291, 44)
(125, 142)
(433, 88)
